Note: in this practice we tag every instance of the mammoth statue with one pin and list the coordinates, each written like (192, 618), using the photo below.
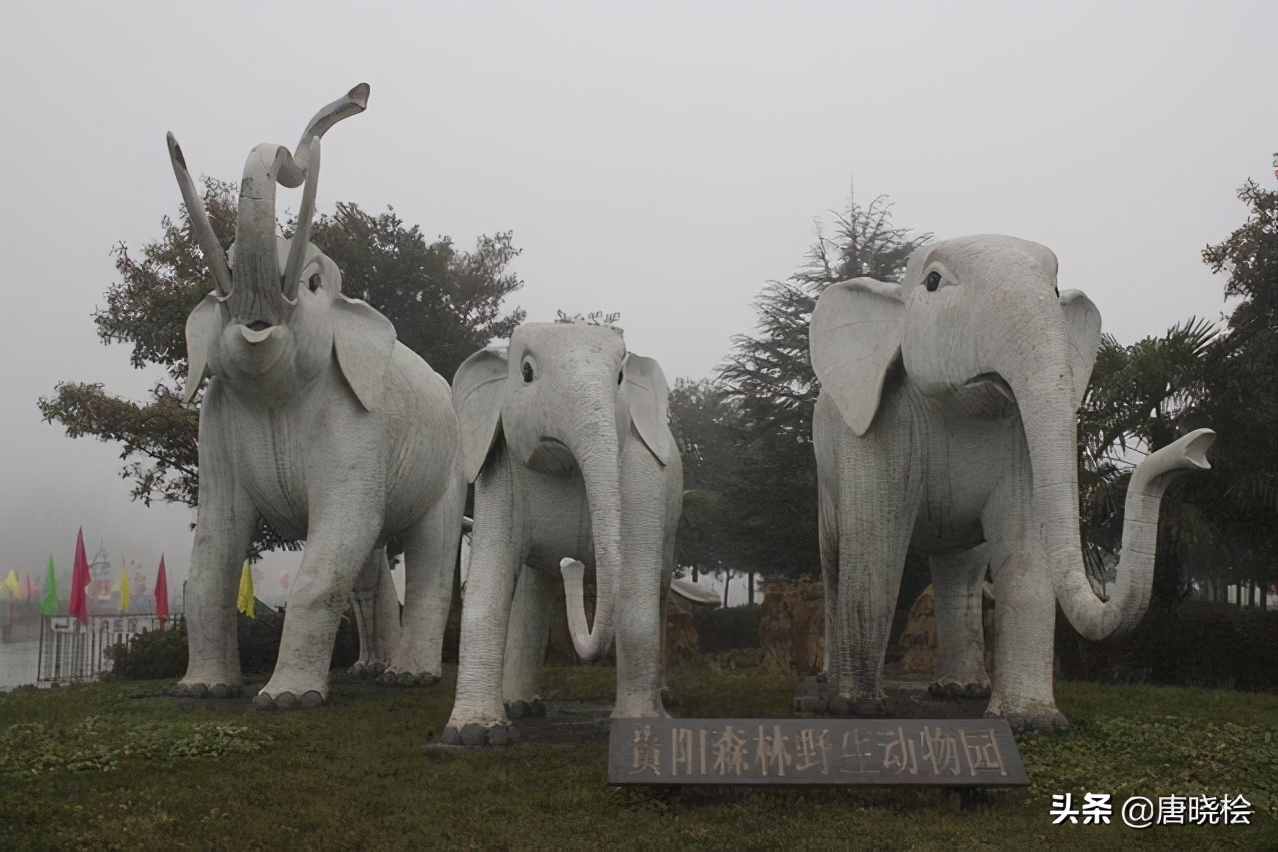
(567, 440)
(319, 421)
(946, 420)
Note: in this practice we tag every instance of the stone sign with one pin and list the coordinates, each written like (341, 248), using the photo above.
(945, 752)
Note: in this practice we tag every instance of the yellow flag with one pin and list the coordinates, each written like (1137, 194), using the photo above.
(245, 601)
(124, 588)
(11, 583)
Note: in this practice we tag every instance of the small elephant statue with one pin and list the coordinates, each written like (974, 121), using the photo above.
(567, 440)
(947, 420)
(319, 421)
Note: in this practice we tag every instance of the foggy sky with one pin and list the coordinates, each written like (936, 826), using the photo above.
(658, 160)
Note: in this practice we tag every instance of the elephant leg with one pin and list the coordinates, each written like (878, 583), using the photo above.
(376, 614)
(880, 488)
(479, 716)
(225, 523)
(526, 638)
(338, 544)
(430, 557)
(958, 581)
(827, 523)
(1025, 615)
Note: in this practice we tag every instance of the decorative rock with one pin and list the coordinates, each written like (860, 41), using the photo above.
(499, 736)
(918, 639)
(199, 690)
(262, 701)
(450, 736)
(518, 710)
(311, 699)
(286, 701)
(473, 734)
(220, 690)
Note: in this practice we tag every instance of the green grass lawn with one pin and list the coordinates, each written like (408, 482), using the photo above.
(118, 765)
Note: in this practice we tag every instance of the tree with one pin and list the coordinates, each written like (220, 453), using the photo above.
(444, 303)
(768, 378)
(1217, 528)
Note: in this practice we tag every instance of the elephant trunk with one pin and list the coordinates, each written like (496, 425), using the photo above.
(258, 294)
(266, 293)
(1046, 398)
(594, 443)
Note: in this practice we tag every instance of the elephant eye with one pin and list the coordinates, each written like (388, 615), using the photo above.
(932, 281)
(620, 377)
(314, 283)
(528, 372)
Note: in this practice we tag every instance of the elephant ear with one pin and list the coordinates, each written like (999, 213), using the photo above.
(203, 329)
(1083, 331)
(477, 389)
(649, 398)
(364, 341)
(854, 339)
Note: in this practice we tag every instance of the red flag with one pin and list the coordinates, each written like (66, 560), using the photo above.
(162, 593)
(79, 581)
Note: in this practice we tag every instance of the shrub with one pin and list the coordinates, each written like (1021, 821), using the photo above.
(163, 653)
(151, 655)
(1194, 644)
(727, 629)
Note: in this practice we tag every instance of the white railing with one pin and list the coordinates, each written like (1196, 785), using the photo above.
(71, 651)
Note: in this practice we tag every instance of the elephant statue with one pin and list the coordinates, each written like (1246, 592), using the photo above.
(318, 420)
(568, 443)
(947, 420)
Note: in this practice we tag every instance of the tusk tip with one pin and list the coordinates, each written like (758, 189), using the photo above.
(1196, 445)
(359, 95)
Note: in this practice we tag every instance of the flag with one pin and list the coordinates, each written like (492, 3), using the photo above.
(11, 584)
(26, 578)
(162, 593)
(124, 586)
(80, 581)
(49, 605)
(245, 601)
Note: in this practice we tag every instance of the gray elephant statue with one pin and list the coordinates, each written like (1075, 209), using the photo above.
(319, 421)
(568, 443)
(947, 420)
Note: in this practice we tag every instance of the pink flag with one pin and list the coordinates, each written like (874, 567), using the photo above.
(79, 581)
(162, 593)
(284, 580)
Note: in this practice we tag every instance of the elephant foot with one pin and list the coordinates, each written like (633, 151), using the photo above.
(525, 709)
(954, 689)
(288, 701)
(475, 735)
(186, 689)
(368, 668)
(392, 677)
(1042, 720)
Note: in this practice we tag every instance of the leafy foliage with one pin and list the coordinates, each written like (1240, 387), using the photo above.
(445, 304)
(1219, 527)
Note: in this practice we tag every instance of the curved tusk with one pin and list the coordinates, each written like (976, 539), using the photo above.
(301, 239)
(209, 244)
(354, 102)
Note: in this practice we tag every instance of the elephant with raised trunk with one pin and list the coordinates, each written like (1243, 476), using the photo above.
(319, 421)
(567, 440)
(947, 420)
